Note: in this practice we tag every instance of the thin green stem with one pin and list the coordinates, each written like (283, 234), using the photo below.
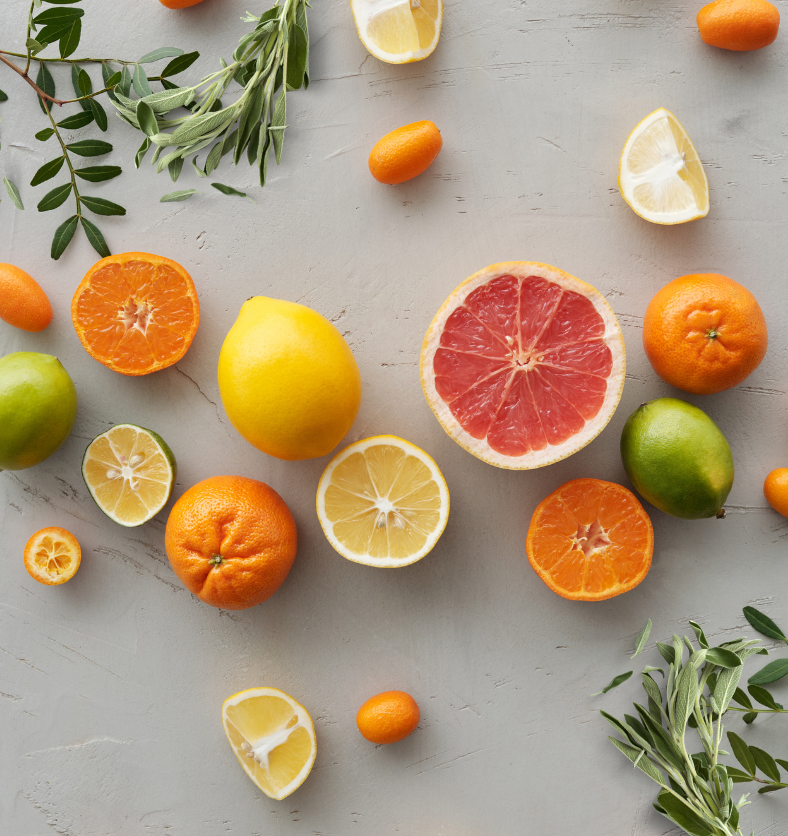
(27, 36)
(68, 162)
(69, 60)
(759, 710)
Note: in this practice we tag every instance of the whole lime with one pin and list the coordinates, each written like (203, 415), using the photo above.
(677, 458)
(38, 405)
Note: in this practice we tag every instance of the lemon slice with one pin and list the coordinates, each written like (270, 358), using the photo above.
(273, 738)
(398, 31)
(130, 472)
(382, 502)
(660, 174)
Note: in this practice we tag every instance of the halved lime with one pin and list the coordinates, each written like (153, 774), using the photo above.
(130, 472)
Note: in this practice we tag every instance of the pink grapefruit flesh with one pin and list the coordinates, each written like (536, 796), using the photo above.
(524, 364)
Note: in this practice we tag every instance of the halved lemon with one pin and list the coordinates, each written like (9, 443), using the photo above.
(52, 556)
(383, 502)
(660, 174)
(398, 31)
(130, 472)
(273, 738)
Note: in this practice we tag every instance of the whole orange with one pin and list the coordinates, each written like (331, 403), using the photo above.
(231, 541)
(23, 303)
(739, 25)
(405, 153)
(179, 4)
(775, 489)
(388, 717)
(704, 333)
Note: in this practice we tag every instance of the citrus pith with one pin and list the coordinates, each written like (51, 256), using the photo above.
(398, 31)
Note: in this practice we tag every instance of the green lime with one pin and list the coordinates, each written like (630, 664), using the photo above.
(130, 472)
(38, 406)
(677, 458)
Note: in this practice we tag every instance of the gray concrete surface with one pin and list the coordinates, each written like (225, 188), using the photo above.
(111, 686)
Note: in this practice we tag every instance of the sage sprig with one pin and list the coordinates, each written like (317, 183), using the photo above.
(696, 789)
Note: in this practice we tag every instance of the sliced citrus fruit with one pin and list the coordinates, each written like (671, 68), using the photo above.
(52, 556)
(398, 31)
(136, 313)
(590, 540)
(660, 174)
(382, 502)
(130, 472)
(523, 365)
(273, 738)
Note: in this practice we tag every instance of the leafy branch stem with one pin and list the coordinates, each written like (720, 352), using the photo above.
(41, 94)
(68, 162)
(70, 60)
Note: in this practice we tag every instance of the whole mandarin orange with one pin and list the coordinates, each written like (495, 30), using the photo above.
(704, 333)
(405, 153)
(775, 489)
(231, 541)
(388, 717)
(739, 25)
(179, 4)
(23, 302)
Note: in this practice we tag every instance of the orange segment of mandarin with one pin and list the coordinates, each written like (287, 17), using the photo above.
(52, 556)
(136, 313)
(590, 540)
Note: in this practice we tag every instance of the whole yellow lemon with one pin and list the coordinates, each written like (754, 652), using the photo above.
(288, 380)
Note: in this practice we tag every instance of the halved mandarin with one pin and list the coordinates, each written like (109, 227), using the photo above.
(590, 540)
(136, 313)
(52, 556)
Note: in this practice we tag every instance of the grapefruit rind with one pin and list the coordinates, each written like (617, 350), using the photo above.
(612, 337)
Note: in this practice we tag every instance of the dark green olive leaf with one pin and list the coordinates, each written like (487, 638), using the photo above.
(47, 171)
(99, 114)
(58, 2)
(765, 762)
(63, 235)
(55, 198)
(57, 16)
(742, 753)
(147, 119)
(229, 190)
(772, 788)
(640, 641)
(70, 40)
(142, 151)
(13, 193)
(722, 658)
(76, 120)
(179, 64)
(174, 197)
(95, 237)
(3, 96)
(101, 206)
(90, 147)
(741, 698)
(750, 717)
(772, 672)
(683, 815)
(140, 82)
(158, 54)
(667, 652)
(617, 680)
(98, 173)
(34, 46)
(175, 167)
(114, 79)
(762, 696)
(84, 82)
(701, 636)
(44, 135)
(50, 34)
(45, 81)
(83, 103)
(763, 624)
(739, 776)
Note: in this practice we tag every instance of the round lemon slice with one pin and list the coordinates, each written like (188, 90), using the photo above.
(383, 502)
(398, 31)
(130, 472)
(273, 738)
(660, 174)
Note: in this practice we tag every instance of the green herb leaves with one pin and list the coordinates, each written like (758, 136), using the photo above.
(763, 624)
(753, 759)
(614, 683)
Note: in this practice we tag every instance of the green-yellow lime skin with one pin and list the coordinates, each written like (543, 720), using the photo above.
(38, 406)
(288, 380)
(677, 458)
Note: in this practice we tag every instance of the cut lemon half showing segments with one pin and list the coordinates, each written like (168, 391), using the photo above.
(130, 473)
(383, 502)
(273, 738)
(660, 174)
(398, 31)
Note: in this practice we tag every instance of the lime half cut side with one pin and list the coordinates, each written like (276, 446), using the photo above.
(130, 473)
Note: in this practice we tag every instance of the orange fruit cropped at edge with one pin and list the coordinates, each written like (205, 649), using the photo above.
(52, 556)
(523, 365)
(231, 541)
(775, 489)
(590, 540)
(405, 153)
(704, 333)
(388, 717)
(179, 4)
(23, 302)
(739, 25)
(136, 313)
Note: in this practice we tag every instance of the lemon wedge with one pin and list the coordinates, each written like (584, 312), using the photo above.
(398, 31)
(382, 502)
(130, 472)
(660, 174)
(273, 738)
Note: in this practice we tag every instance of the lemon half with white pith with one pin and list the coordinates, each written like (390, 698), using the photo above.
(398, 31)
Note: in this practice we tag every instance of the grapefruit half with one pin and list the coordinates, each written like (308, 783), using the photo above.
(523, 365)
